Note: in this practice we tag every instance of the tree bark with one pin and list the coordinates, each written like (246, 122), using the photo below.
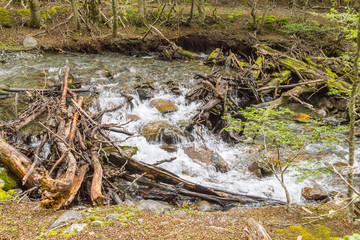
(201, 10)
(76, 14)
(35, 19)
(191, 12)
(115, 21)
(16, 162)
(141, 12)
(352, 102)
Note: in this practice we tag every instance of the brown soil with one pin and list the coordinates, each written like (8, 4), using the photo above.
(197, 37)
(30, 221)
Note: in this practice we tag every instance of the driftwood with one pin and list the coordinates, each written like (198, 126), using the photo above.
(255, 231)
(188, 188)
(16, 162)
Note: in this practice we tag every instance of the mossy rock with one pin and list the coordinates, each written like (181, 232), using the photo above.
(308, 232)
(10, 180)
(129, 150)
(4, 196)
(5, 18)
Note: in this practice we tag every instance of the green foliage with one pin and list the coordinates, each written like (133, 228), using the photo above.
(5, 18)
(355, 236)
(347, 22)
(308, 27)
(278, 129)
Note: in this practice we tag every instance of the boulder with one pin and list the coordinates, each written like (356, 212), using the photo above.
(75, 228)
(203, 206)
(313, 194)
(204, 155)
(301, 117)
(145, 93)
(68, 216)
(152, 205)
(163, 105)
(30, 42)
(132, 117)
(169, 148)
(162, 131)
(263, 167)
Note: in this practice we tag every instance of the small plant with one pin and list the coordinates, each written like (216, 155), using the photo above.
(277, 130)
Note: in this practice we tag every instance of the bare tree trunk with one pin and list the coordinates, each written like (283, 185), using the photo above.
(352, 102)
(115, 21)
(266, 4)
(141, 12)
(253, 14)
(35, 19)
(76, 14)
(191, 12)
(94, 11)
(201, 10)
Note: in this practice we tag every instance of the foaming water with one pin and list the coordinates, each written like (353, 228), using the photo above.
(125, 72)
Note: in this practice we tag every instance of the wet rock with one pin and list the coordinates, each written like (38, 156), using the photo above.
(321, 113)
(313, 194)
(132, 117)
(263, 167)
(152, 205)
(301, 117)
(163, 105)
(325, 103)
(30, 42)
(68, 216)
(161, 131)
(129, 151)
(75, 228)
(169, 148)
(145, 93)
(207, 156)
(339, 103)
(10, 181)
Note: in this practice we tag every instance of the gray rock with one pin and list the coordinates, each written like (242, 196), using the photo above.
(75, 228)
(152, 205)
(68, 216)
(203, 206)
(112, 217)
(30, 42)
(2, 184)
(97, 223)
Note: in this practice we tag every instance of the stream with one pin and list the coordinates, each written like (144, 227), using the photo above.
(93, 72)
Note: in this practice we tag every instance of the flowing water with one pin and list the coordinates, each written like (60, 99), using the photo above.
(91, 71)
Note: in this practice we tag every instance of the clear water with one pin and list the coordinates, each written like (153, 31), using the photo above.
(91, 69)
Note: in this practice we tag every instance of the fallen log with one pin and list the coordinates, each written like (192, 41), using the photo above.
(255, 231)
(189, 188)
(16, 162)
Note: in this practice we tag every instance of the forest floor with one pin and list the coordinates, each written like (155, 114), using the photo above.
(230, 30)
(30, 221)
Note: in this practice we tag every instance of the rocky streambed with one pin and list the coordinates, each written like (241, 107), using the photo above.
(152, 93)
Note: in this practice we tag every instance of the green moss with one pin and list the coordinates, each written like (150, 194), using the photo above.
(5, 17)
(317, 231)
(53, 11)
(22, 12)
(4, 196)
(187, 53)
(68, 234)
(10, 180)
(53, 233)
